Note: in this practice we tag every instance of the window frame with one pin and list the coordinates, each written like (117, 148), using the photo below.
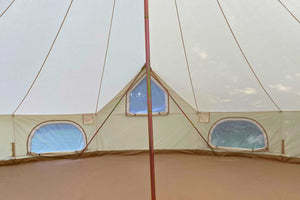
(256, 123)
(45, 123)
(127, 102)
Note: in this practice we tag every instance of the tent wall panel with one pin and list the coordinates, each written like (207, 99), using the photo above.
(171, 131)
(291, 132)
(6, 137)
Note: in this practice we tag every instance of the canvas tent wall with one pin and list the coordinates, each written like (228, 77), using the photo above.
(172, 131)
(228, 58)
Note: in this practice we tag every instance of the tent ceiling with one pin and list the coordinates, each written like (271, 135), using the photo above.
(292, 6)
(202, 62)
(69, 80)
(222, 79)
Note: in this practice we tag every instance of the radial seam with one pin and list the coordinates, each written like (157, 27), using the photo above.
(106, 52)
(36, 77)
(294, 16)
(7, 8)
(241, 50)
(185, 55)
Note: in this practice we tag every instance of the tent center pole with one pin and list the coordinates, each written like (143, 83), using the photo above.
(149, 100)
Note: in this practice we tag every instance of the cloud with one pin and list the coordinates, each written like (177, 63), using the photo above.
(225, 100)
(200, 52)
(281, 87)
(247, 91)
(288, 77)
(203, 55)
(259, 104)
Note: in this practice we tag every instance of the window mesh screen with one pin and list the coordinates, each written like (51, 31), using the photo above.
(138, 98)
(57, 138)
(238, 134)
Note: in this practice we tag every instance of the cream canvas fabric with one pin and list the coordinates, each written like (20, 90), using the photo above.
(64, 58)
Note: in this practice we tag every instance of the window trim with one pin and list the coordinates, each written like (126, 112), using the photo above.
(258, 125)
(127, 102)
(45, 123)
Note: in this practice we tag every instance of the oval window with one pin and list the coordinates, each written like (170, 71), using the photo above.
(238, 133)
(53, 137)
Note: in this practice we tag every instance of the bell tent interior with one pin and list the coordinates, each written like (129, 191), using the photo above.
(208, 91)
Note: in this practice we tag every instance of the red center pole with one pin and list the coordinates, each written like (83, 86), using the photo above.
(149, 101)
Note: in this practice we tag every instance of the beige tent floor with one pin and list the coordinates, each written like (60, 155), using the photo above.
(179, 177)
